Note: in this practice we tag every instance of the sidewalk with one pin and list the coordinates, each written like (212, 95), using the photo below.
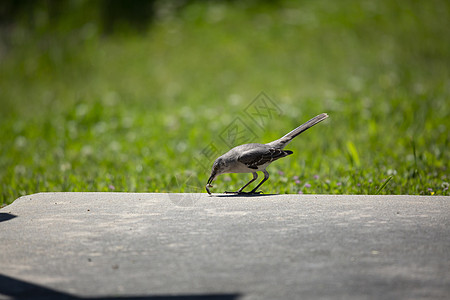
(192, 246)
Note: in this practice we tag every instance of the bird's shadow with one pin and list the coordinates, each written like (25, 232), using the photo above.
(241, 195)
(14, 288)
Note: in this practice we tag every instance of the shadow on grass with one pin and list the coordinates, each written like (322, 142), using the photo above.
(19, 289)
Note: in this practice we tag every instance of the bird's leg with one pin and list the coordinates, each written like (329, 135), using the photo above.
(266, 176)
(255, 175)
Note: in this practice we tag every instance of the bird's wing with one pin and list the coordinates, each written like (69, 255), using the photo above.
(259, 156)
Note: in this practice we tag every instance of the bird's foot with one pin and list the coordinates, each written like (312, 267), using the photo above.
(256, 193)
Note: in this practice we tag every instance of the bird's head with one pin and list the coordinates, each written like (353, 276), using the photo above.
(217, 169)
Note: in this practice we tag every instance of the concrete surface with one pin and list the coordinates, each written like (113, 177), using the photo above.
(192, 246)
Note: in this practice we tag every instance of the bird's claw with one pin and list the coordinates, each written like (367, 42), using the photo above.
(257, 193)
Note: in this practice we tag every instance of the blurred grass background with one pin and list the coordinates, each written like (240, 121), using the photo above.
(127, 95)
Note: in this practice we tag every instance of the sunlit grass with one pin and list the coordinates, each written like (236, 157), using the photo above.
(134, 112)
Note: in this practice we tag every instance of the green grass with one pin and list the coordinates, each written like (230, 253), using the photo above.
(134, 112)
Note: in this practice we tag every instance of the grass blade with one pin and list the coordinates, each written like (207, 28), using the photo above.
(354, 157)
(383, 185)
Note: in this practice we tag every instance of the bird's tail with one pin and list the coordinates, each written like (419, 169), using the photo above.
(282, 142)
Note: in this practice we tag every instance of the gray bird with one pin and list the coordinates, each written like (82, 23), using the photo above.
(251, 158)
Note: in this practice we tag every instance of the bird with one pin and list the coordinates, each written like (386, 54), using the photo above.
(254, 157)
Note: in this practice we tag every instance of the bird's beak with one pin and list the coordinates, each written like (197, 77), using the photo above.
(208, 184)
(211, 178)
